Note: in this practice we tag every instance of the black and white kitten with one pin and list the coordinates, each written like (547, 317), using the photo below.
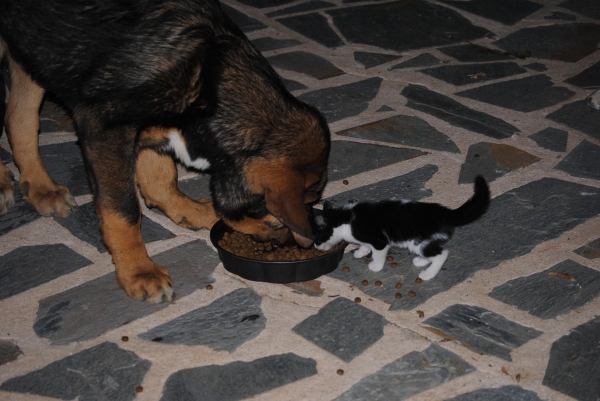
(423, 228)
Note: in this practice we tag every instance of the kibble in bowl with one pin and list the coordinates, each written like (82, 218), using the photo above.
(268, 262)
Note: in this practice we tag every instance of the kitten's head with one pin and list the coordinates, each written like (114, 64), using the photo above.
(328, 220)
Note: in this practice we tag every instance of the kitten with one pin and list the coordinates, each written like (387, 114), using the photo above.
(423, 228)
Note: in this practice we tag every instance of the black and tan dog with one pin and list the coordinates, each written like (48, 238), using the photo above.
(146, 81)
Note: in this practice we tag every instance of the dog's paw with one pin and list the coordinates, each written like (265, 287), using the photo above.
(418, 261)
(7, 193)
(196, 214)
(362, 252)
(151, 284)
(50, 201)
(376, 267)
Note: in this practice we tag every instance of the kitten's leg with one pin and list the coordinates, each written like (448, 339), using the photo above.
(378, 259)
(362, 251)
(420, 261)
(436, 265)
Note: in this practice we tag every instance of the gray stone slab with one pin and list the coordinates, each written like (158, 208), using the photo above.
(422, 60)
(103, 372)
(590, 250)
(583, 161)
(393, 25)
(5, 156)
(553, 139)
(411, 374)
(343, 328)
(292, 85)
(525, 94)
(245, 23)
(350, 158)
(265, 3)
(547, 296)
(404, 130)
(564, 42)
(48, 125)
(407, 186)
(29, 266)
(339, 102)
(536, 67)
(314, 26)
(9, 351)
(64, 162)
(507, 12)
(574, 364)
(470, 53)
(481, 330)
(305, 63)
(237, 380)
(268, 43)
(224, 325)
(19, 214)
(467, 74)
(493, 160)
(580, 116)
(557, 15)
(504, 393)
(455, 113)
(299, 8)
(58, 117)
(588, 78)
(369, 59)
(95, 307)
(587, 8)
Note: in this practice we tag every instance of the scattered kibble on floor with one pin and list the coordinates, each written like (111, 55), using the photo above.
(378, 283)
(412, 294)
(124, 339)
(340, 372)
(365, 282)
(357, 300)
(398, 295)
(209, 287)
(398, 285)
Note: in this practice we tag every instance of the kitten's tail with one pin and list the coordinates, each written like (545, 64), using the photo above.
(475, 207)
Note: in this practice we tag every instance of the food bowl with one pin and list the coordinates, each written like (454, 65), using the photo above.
(277, 271)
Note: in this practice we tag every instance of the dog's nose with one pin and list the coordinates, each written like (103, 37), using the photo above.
(302, 241)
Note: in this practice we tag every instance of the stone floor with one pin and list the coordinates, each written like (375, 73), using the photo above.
(421, 96)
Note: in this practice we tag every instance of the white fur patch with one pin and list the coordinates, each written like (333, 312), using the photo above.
(177, 144)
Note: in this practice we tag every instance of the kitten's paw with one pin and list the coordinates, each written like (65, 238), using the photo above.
(323, 247)
(419, 261)
(425, 275)
(361, 252)
(375, 266)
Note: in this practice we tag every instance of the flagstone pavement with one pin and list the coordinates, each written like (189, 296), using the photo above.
(421, 96)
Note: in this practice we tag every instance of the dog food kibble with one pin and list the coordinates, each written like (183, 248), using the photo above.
(124, 339)
(389, 258)
(398, 295)
(346, 268)
(345, 182)
(378, 283)
(398, 285)
(367, 261)
(209, 287)
(364, 282)
(394, 265)
(245, 246)
(357, 300)
(340, 372)
(139, 389)
(418, 280)
(412, 294)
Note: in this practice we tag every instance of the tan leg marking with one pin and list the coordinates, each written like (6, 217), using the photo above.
(156, 175)
(141, 278)
(22, 125)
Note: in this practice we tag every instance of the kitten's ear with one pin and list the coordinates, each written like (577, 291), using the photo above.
(327, 205)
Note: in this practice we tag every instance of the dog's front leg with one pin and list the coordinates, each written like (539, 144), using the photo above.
(110, 154)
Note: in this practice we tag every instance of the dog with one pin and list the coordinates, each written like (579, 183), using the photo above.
(147, 81)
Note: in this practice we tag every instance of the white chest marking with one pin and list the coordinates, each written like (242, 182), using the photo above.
(177, 144)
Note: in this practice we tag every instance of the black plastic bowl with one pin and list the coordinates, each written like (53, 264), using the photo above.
(274, 272)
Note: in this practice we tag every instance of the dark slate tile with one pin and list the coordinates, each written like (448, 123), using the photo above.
(83, 223)
(588, 78)
(546, 296)
(339, 102)
(467, 74)
(369, 59)
(564, 42)
(29, 266)
(343, 328)
(504, 393)
(224, 325)
(60, 117)
(412, 374)
(385, 108)
(315, 27)
(588, 8)
(267, 43)
(64, 162)
(196, 187)
(48, 125)
(583, 161)
(245, 23)
(103, 372)
(95, 307)
(470, 53)
(590, 250)
(5, 156)
(265, 3)
(507, 12)
(493, 160)
(350, 158)
(553, 139)
(557, 15)
(237, 380)
(573, 368)
(19, 214)
(481, 330)
(305, 63)
(407, 186)
(580, 116)
(525, 94)
(299, 8)
(404, 130)
(456, 114)
(536, 67)
(292, 85)
(393, 25)
(422, 60)
(9, 351)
